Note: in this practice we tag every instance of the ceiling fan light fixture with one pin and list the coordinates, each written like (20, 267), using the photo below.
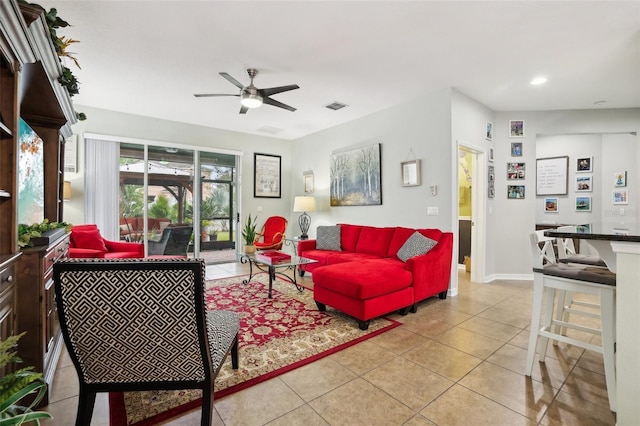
(250, 100)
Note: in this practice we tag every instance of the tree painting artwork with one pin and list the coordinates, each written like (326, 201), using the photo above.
(355, 177)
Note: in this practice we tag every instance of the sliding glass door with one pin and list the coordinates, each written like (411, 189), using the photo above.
(158, 198)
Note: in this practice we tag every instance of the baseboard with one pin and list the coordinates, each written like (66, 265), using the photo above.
(512, 277)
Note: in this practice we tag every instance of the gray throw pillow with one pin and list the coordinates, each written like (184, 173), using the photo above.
(328, 238)
(415, 245)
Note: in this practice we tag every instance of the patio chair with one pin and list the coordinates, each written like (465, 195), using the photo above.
(272, 234)
(133, 325)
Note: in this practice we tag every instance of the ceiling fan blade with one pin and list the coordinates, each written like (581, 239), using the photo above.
(243, 109)
(273, 102)
(273, 90)
(209, 95)
(232, 80)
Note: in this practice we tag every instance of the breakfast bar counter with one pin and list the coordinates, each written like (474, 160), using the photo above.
(618, 244)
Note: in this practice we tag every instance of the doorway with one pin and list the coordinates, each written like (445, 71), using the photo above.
(470, 208)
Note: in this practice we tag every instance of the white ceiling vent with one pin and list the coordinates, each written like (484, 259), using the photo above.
(336, 105)
(270, 129)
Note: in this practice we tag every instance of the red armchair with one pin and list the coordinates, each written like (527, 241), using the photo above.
(86, 242)
(272, 234)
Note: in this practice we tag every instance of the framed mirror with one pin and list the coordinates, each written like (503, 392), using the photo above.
(410, 173)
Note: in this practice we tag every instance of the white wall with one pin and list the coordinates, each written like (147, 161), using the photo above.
(428, 127)
(611, 153)
(139, 127)
(513, 220)
(420, 128)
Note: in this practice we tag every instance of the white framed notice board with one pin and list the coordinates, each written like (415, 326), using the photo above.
(552, 176)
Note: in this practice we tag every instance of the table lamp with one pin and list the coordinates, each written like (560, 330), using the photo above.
(304, 205)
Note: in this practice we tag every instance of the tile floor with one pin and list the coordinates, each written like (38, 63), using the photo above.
(458, 361)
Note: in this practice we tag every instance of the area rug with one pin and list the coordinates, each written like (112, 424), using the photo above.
(276, 335)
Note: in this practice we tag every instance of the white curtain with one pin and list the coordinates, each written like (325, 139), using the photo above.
(102, 186)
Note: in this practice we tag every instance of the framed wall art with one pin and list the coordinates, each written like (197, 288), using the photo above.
(584, 183)
(583, 204)
(516, 149)
(620, 179)
(584, 165)
(410, 173)
(491, 180)
(356, 177)
(515, 192)
(515, 171)
(551, 205)
(620, 196)
(552, 176)
(267, 177)
(307, 180)
(491, 155)
(516, 128)
(489, 131)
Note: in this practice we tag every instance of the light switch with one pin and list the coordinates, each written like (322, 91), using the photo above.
(432, 211)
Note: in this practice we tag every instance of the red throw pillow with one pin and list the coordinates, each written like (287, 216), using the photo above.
(88, 240)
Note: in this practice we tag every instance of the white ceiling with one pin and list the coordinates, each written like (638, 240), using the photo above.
(150, 57)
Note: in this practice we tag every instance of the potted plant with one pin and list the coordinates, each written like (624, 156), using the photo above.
(27, 232)
(14, 387)
(249, 234)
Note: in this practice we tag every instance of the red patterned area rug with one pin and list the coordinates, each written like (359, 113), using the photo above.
(276, 335)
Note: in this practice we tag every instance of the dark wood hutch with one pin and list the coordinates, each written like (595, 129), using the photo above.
(29, 89)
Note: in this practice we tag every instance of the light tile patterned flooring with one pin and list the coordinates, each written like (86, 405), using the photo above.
(458, 361)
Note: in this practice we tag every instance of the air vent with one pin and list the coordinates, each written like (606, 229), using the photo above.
(270, 129)
(336, 105)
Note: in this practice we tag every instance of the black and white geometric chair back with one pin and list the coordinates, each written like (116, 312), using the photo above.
(136, 324)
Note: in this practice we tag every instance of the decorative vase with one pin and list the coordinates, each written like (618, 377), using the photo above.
(250, 249)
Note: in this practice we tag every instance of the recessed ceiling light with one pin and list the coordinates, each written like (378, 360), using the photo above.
(599, 102)
(539, 80)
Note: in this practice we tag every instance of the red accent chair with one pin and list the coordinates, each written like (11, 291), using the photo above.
(86, 242)
(272, 234)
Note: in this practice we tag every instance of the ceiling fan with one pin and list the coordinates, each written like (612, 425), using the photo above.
(251, 96)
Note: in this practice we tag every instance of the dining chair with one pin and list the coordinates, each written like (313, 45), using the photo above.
(139, 324)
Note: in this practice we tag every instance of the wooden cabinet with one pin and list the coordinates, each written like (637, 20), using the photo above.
(35, 308)
(29, 90)
(7, 300)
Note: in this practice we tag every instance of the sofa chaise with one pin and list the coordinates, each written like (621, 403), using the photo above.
(367, 271)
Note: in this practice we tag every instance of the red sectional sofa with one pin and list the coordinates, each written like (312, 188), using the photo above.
(365, 278)
(86, 242)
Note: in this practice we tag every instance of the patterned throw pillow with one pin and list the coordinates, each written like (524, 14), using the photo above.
(328, 238)
(415, 245)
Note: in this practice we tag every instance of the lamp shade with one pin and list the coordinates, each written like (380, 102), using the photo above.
(66, 190)
(304, 204)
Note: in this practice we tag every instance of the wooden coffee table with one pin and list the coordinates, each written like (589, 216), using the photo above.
(279, 269)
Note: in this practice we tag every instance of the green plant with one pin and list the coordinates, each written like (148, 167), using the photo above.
(14, 387)
(249, 230)
(27, 232)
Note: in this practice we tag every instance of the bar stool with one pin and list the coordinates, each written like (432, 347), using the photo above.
(567, 254)
(572, 278)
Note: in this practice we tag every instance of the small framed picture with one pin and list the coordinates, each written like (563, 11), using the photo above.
(583, 183)
(489, 131)
(410, 173)
(620, 179)
(516, 128)
(551, 205)
(307, 178)
(620, 196)
(584, 165)
(515, 171)
(516, 149)
(491, 155)
(583, 204)
(584, 228)
(515, 192)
